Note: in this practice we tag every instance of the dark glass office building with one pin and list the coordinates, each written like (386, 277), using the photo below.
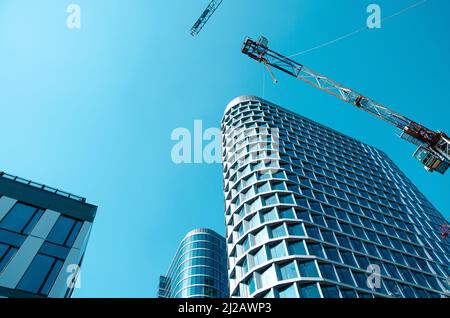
(312, 213)
(199, 268)
(43, 237)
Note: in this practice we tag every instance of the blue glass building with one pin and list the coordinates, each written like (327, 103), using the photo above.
(43, 237)
(312, 213)
(199, 268)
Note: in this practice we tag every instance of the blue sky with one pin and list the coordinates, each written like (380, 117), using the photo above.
(91, 111)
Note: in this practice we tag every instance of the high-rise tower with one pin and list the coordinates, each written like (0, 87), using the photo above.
(311, 212)
(199, 268)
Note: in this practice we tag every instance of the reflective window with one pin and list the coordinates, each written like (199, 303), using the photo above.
(309, 291)
(348, 293)
(357, 245)
(333, 224)
(65, 231)
(254, 221)
(347, 228)
(344, 275)
(251, 285)
(330, 292)
(296, 230)
(385, 253)
(348, 258)
(286, 199)
(54, 250)
(264, 187)
(288, 292)
(432, 281)
(288, 271)
(6, 254)
(308, 269)
(327, 271)
(260, 257)
(318, 219)
(332, 254)
(296, 248)
(361, 279)
(3, 250)
(11, 238)
(261, 236)
(392, 288)
(269, 277)
(21, 218)
(277, 251)
(407, 291)
(245, 266)
(41, 275)
(371, 250)
(328, 236)
(315, 250)
(286, 214)
(269, 294)
(278, 231)
(246, 244)
(313, 232)
(303, 215)
(270, 200)
(343, 241)
(362, 261)
(270, 216)
(406, 275)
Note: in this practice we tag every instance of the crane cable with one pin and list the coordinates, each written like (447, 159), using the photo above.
(358, 30)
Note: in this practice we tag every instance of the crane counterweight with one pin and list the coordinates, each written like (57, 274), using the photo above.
(434, 147)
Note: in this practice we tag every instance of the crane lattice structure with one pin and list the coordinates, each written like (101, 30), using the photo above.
(209, 11)
(445, 230)
(433, 147)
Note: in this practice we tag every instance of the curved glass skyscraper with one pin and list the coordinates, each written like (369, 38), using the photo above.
(313, 213)
(199, 268)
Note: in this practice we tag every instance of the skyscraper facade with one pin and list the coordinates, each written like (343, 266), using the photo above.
(43, 238)
(199, 268)
(312, 213)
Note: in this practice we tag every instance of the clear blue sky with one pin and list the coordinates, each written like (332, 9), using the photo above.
(91, 111)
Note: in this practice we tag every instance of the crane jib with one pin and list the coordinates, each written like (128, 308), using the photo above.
(434, 147)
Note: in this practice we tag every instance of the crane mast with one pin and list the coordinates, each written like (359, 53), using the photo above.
(433, 147)
(209, 11)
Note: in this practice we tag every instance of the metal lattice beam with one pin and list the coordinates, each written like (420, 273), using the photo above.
(434, 147)
(209, 11)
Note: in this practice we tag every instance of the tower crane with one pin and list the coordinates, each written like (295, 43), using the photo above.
(433, 147)
(209, 11)
(445, 230)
